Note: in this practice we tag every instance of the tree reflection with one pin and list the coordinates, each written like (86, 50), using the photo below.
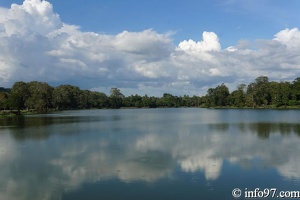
(219, 126)
(264, 130)
(42, 127)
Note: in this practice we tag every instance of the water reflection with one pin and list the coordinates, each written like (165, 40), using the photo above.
(44, 158)
(262, 129)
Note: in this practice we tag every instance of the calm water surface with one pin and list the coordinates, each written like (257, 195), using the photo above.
(148, 154)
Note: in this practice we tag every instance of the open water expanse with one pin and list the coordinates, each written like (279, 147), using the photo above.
(183, 153)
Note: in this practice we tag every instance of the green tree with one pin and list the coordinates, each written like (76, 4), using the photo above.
(116, 98)
(280, 93)
(40, 96)
(66, 96)
(133, 101)
(238, 97)
(150, 102)
(259, 91)
(168, 100)
(101, 100)
(195, 101)
(217, 96)
(249, 101)
(187, 101)
(295, 92)
(274, 93)
(4, 100)
(19, 95)
(285, 94)
(85, 99)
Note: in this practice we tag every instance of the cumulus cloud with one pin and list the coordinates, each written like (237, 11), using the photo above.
(291, 38)
(37, 45)
(210, 43)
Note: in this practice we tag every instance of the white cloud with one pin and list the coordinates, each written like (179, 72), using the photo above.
(37, 45)
(33, 16)
(289, 37)
(210, 43)
(147, 43)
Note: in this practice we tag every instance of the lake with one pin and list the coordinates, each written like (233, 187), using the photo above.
(182, 153)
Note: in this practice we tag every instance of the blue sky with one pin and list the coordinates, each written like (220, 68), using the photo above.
(237, 24)
(232, 20)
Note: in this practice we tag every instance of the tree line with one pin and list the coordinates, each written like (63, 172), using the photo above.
(41, 96)
(260, 93)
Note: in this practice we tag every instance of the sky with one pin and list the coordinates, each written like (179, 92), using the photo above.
(149, 47)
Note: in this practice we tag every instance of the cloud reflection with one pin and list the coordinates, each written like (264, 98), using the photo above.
(137, 152)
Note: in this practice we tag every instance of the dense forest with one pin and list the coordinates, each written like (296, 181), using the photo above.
(41, 96)
(260, 93)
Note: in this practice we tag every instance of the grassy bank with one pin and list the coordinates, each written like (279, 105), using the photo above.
(11, 113)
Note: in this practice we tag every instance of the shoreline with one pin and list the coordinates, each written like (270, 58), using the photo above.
(14, 113)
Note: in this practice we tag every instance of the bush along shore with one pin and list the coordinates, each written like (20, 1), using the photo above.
(20, 112)
(39, 97)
